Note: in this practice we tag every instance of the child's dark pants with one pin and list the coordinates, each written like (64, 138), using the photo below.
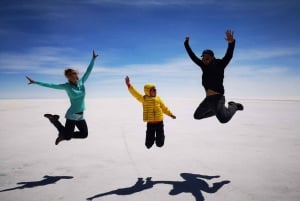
(155, 133)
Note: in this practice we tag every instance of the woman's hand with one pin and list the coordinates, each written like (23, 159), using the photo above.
(95, 55)
(30, 81)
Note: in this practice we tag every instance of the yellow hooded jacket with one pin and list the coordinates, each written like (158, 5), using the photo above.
(153, 107)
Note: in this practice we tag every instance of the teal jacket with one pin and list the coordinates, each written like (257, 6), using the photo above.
(76, 93)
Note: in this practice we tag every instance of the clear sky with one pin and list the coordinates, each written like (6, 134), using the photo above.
(144, 39)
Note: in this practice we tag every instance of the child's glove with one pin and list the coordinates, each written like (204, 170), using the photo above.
(127, 81)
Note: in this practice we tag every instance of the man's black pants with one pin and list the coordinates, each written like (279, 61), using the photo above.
(215, 106)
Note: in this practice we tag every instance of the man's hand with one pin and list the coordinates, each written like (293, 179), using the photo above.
(95, 55)
(187, 38)
(127, 81)
(229, 36)
(30, 81)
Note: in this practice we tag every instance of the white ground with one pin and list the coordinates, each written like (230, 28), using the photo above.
(258, 151)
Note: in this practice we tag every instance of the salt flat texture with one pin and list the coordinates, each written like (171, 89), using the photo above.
(258, 152)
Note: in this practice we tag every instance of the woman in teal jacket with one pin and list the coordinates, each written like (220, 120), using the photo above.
(74, 116)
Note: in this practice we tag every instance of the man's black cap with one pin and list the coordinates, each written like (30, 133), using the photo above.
(209, 52)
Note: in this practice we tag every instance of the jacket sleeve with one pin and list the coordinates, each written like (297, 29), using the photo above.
(50, 85)
(229, 53)
(135, 93)
(192, 55)
(164, 108)
(88, 70)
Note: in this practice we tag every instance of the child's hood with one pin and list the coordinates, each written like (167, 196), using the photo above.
(147, 88)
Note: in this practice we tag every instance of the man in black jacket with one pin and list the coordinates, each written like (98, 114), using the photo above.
(212, 81)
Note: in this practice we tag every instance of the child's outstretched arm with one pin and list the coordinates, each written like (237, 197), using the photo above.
(135, 93)
(166, 110)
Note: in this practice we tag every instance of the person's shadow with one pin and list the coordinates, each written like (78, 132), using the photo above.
(45, 181)
(139, 186)
(193, 183)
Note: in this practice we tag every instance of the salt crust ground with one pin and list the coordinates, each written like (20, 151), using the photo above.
(258, 152)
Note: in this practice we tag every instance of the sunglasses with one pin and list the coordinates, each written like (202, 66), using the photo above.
(72, 73)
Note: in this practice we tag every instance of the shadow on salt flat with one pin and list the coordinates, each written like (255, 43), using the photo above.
(32, 184)
(192, 183)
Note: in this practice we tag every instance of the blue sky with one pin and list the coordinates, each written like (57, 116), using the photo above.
(144, 39)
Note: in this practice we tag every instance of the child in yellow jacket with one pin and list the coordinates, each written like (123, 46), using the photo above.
(153, 110)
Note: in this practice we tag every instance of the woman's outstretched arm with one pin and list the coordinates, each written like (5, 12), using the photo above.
(90, 67)
(49, 85)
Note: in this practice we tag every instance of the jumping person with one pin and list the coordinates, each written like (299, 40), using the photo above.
(212, 81)
(74, 116)
(153, 110)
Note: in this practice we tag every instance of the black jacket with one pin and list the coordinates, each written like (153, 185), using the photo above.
(213, 74)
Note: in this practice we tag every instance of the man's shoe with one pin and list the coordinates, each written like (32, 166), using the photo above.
(238, 105)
